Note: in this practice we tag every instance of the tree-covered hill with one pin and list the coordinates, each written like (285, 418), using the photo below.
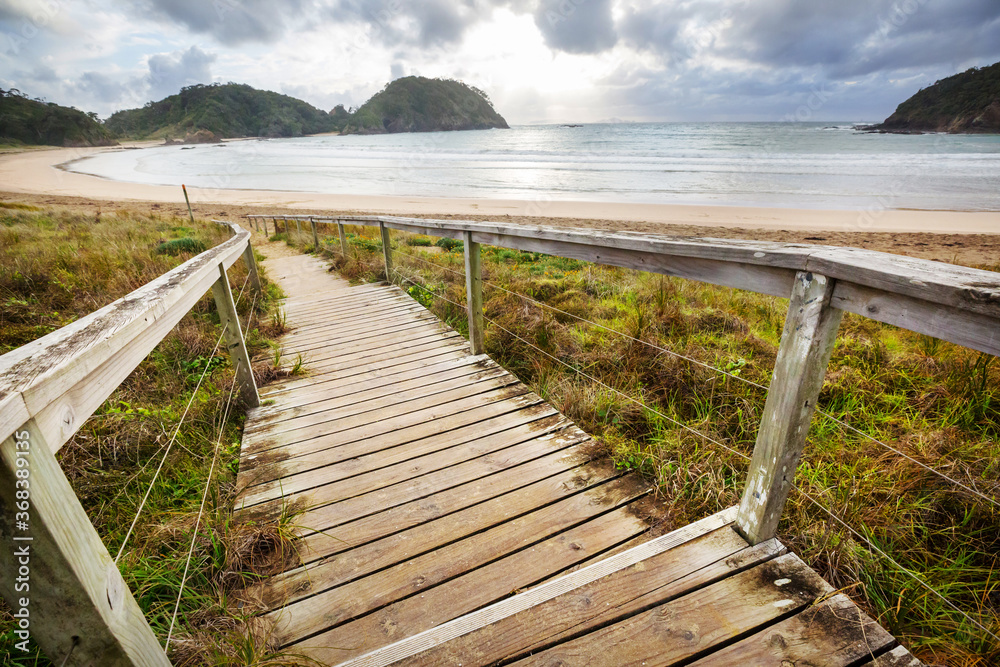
(224, 110)
(418, 104)
(27, 121)
(966, 102)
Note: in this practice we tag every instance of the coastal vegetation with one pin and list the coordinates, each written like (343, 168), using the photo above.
(419, 104)
(221, 111)
(35, 122)
(653, 348)
(965, 102)
(57, 266)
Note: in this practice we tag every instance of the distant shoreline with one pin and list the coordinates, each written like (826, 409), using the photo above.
(37, 172)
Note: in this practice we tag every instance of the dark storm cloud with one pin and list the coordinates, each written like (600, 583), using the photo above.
(576, 26)
(169, 72)
(423, 23)
(231, 22)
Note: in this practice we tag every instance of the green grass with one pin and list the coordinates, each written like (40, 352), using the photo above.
(57, 267)
(937, 402)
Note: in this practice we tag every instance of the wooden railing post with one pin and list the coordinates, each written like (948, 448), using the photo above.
(55, 572)
(234, 339)
(343, 238)
(806, 343)
(386, 250)
(474, 293)
(298, 229)
(251, 262)
(315, 234)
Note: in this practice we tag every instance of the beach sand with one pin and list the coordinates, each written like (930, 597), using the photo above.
(964, 237)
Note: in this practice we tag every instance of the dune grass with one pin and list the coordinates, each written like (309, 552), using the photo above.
(936, 402)
(56, 267)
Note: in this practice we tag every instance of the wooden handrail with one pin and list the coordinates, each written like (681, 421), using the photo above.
(62, 377)
(80, 605)
(954, 303)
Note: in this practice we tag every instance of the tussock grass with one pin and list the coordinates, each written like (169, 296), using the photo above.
(56, 267)
(936, 402)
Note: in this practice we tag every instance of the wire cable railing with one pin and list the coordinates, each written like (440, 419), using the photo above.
(865, 540)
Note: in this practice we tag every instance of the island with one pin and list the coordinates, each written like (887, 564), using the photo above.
(965, 102)
(419, 104)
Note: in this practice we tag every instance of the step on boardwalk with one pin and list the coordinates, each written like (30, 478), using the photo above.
(446, 515)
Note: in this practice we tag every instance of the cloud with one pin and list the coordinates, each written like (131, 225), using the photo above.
(414, 23)
(232, 22)
(169, 72)
(576, 26)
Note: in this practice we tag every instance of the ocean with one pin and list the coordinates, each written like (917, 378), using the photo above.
(797, 165)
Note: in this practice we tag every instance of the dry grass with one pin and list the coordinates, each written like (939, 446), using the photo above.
(57, 266)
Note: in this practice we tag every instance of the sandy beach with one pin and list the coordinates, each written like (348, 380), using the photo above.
(966, 237)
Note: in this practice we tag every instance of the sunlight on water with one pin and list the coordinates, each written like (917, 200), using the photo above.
(808, 165)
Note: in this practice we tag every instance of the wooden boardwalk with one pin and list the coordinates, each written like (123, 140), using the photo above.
(449, 516)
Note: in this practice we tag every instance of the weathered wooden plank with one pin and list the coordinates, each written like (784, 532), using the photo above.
(806, 343)
(897, 657)
(352, 564)
(419, 575)
(377, 453)
(329, 343)
(427, 353)
(334, 331)
(611, 599)
(374, 493)
(833, 633)
(341, 304)
(483, 586)
(78, 604)
(969, 289)
(367, 385)
(317, 545)
(963, 327)
(391, 417)
(323, 411)
(333, 483)
(331, 449)
(367, 353)
(356, 303)
(474, 294)
(414, 643)
(329, 517)
(699, 621)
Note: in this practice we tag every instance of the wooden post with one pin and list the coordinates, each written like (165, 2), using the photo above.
(806, 343)
(57, 574)
(386, 250)
(298, 229)
(251, 263)
(315, 235)
(188, 202)
(343, 239)
(474, 294)
(234, 339)
(285, 220)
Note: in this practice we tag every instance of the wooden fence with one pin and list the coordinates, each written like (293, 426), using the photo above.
(78, 603)
(954, 303)
(49, 387)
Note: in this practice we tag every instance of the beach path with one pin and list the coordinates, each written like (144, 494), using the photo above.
(445, 514)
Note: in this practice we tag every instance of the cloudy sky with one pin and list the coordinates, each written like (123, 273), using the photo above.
(540, 60)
